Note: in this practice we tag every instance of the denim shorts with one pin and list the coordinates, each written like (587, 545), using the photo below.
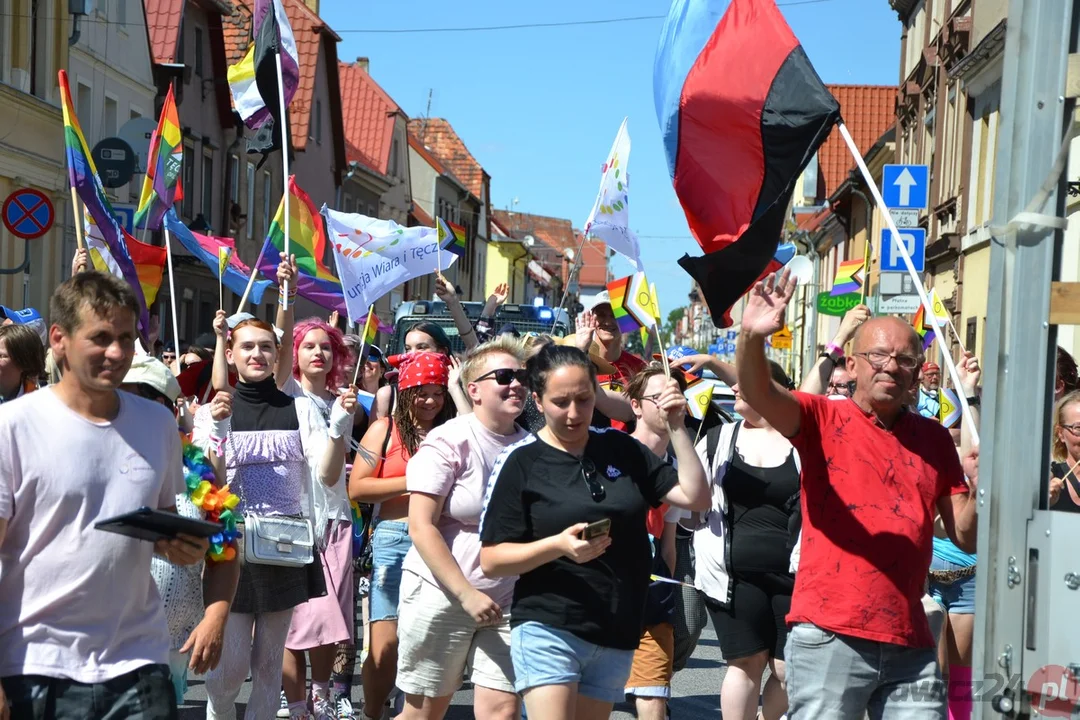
(389, 544)
(957, 597)
(544, 655)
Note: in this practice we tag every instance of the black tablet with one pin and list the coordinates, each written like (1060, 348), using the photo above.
(154, 525)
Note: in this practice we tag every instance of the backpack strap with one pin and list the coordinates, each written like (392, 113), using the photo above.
(712, 442)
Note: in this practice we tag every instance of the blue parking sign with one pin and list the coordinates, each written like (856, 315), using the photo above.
(905, 186)
(914, 240)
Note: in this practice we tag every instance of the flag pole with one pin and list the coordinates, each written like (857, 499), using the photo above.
(865, 269)
(172, 292)
(363, 344)
(570, 277)
(917, 281)
(79, 242)
(251, 279)
(285, 172)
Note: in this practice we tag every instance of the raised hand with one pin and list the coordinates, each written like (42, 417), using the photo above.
(221, 406)
(348, 400)
(969, 372)
(80, 261)
(221, 324)
(443, 289)
(853, 318)
(766, 303)
(502, 291)
(586, 326)
(332, 321)
(454, 372)
(287, 271)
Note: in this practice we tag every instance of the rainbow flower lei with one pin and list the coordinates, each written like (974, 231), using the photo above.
(218, 503)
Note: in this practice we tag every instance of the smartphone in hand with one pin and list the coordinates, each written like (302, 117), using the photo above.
(596, 529)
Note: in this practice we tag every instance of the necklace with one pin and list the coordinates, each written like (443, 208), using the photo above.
(217, 503)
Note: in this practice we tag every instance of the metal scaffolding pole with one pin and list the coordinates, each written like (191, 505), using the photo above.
(1019, 362)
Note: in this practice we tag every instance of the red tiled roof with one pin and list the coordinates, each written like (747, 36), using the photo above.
(368, 118)
(163, 24)
(421, 217)
(309, 30)
(868, 111)
(439, 138)
(558, 234)
(426, 154)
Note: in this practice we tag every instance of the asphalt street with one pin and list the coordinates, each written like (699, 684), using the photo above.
(696, 690)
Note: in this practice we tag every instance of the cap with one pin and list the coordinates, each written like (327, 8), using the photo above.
(603, 367)
(601, 298)
(930, 367)
(421, 368)
(147, 370)
(233, 320)
(27, 316)
(374, 353)
(509, 329)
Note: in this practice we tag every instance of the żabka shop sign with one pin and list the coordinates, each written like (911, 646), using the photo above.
(836, 305)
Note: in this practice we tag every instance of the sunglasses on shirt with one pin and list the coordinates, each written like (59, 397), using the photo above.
(588, 472)
(504, 376)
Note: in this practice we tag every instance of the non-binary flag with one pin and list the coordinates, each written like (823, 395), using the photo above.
(207, 249)
(307, 241)
(849, 278)
(742, 113)
(273, 36)
(84, 178)
(149, 260)
(162, 187)
(949, 413)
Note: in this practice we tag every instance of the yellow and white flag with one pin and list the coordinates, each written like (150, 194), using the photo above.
(224, 253)
(698, 398)
(940, 311)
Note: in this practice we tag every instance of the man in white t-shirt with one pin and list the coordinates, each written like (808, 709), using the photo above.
(82, 632)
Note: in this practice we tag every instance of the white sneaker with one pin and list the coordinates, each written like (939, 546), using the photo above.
(344, 708)
(323, 710)
(283, 710)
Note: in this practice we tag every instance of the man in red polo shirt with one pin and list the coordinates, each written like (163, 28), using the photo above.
(873, 477)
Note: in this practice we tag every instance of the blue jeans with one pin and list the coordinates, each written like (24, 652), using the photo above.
(143, 694)
(544, 655)
(957, 597)
(389, 544)
(840, 677)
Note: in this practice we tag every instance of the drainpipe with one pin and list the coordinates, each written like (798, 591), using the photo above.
(353, 167)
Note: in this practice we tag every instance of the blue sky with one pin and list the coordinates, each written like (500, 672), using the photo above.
(539, 107)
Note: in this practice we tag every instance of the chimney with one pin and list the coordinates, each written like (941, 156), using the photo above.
(313, 5)
(362, 63)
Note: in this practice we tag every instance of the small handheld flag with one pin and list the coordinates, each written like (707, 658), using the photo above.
(940, 311)
(224, 253)
(451, 237)
(950, 412)
(367, 337)
(849, 278)
(698, 399)
(618, 290)
(925, 331)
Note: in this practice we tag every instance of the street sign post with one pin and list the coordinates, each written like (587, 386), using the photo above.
(897, 304)
(905, 218)
(905, 186)
(115, 161)
(781, 339)
(914, 240)
(125, 215)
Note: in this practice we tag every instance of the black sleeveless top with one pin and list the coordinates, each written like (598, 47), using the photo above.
(1065, 501)
(261, 406)
(760, 511)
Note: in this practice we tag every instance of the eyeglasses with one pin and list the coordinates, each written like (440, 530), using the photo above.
(840, 388)
(652, 398)
(588, 472)
(504, 376)
(1074, 430)
(878, 360)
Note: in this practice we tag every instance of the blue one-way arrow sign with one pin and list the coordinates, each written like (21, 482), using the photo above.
(905, 186)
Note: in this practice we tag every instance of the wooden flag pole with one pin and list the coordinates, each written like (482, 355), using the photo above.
(363, 345)
(221, 288)
(865, 269)
(285, 170)
(251, 279)
(79, 242)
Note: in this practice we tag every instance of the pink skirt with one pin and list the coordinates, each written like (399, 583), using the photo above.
(329, 619)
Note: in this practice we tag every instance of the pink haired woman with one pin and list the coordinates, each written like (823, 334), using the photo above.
(319, 359)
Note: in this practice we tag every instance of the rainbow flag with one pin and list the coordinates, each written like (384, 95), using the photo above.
(161, 186)
(371, 327)
(84, 178)
(207, 249)
(149, 260)
(451, 237)
(849, 278)
(925, 329)
(307, 241)
(617, 291)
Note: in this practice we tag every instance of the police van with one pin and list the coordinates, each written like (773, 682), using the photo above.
(525, 318)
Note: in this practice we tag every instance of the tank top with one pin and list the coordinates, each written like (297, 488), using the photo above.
(397, 457)
(1065, 500)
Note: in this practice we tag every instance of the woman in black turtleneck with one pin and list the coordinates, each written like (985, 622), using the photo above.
(259, 438)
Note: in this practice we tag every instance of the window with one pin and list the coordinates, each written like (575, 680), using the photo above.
(108, 128)
(394, 158)
(135, 114)
(267, 200)
(318, 122)
(121, 14)
(180, 43)
(208, 186)
(5, 41)
(234, 179)
(189, 180)
(249, 207)
(197, 61)
(84, 101)
(970, 333)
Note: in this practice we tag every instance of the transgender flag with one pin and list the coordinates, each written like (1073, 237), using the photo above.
(742, 113)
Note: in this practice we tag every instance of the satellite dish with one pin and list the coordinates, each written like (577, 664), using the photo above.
(136, 133)
(529, 240)
(801, 269)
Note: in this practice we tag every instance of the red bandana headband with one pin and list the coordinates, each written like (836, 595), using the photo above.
(421, 368)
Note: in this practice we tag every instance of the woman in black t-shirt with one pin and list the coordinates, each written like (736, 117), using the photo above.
(578, 605)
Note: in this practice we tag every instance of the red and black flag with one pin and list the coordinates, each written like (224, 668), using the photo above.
(742, 112)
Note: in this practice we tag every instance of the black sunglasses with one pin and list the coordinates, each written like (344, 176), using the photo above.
(588, 472)
(504, 376)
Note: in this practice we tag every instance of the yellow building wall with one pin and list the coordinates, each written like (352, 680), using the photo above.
(976, 282)
(506, 264)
